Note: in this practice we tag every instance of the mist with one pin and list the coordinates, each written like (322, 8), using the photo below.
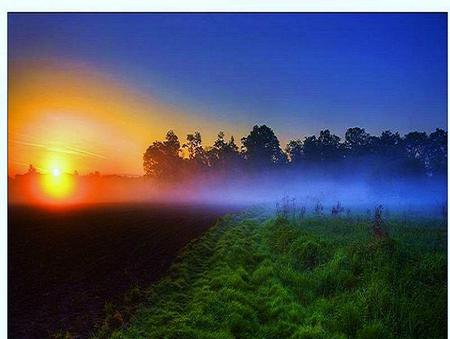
(356, 189)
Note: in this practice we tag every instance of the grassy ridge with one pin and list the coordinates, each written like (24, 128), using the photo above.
(256, 277)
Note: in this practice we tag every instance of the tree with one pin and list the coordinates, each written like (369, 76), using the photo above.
(328, 146)
(385, 156)
(31, 170)
(389, 143)
(197, 154)
(294, 150)
(162, 159)
(415, 147)
(314, 149)
(172, 144)
(262, 148)
(357, 141)
(388, 155)
(311, 151)
(415, 144)
(436, 152)
(223, 154)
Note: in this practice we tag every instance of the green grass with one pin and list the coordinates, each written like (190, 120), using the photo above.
(252, 276)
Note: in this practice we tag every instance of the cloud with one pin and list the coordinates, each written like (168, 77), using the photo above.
(65, 149)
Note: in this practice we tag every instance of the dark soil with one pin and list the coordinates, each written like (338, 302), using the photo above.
(64, 264)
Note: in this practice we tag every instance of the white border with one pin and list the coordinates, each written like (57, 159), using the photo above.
(228, 5)
(3, 178)
(162, 6)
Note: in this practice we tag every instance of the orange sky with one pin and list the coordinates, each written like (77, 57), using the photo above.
(68, 115)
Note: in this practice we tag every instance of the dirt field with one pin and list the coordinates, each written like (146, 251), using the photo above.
(65, 264)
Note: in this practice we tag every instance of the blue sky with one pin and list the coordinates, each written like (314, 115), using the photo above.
(298, 73)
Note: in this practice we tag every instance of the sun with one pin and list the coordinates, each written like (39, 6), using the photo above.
(56, 172)
(57, 184)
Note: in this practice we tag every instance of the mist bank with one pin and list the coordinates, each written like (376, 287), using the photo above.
(355, 189)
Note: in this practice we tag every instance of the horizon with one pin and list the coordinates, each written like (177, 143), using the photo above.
(183, 154)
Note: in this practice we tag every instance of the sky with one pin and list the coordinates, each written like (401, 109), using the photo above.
(90, 92)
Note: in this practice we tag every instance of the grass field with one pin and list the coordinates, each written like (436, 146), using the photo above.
(259, 276)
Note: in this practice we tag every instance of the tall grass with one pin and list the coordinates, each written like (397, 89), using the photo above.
(316, 277)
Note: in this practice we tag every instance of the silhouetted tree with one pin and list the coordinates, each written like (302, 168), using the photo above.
(357, 141)
(224, 154)
(294, 150)
(415, 146)
(31, 170)
(387, 145)
(385, 156)
(328, 146)
(197, 154)
(311, 149)
(390, 140)
(262, 148)
(388, 154)
(436, 152)
(162, 159)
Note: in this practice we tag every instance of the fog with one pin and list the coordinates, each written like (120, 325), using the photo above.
(351, 191)
(357, 190)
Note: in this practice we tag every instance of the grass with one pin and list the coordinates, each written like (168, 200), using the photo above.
(253, 276)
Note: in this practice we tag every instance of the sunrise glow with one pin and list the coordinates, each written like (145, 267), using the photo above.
(56, 172)
(57, 185)
(61, 112)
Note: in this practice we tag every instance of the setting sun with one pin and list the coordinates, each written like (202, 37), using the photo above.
(56, 172)
(58, 185)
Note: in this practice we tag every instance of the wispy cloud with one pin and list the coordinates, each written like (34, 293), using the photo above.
(85, 152)
(66, 149)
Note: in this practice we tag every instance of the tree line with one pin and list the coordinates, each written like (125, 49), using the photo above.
(415, 153)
